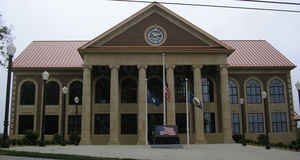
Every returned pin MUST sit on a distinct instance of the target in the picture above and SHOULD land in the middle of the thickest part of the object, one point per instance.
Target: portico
(173, 61)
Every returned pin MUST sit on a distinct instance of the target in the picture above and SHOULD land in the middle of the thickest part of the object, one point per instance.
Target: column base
(228, 140)
(85, 141)
(201, 141)
(113, 141)
(141, 141)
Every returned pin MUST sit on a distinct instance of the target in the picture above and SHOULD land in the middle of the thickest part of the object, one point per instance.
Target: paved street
(192, 152)
(19, 158)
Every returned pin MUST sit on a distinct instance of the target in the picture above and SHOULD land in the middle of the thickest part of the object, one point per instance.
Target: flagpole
(146, 116)
(164, 87)
(187, 113)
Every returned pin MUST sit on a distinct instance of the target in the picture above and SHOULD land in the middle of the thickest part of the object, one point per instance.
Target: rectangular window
(51, 124)
(25, 123)
(235, 123)
(209, 122)
(74, 124)
(279, 123)
(102, 124)
(181, 122)
(128, 124)
(255, 122)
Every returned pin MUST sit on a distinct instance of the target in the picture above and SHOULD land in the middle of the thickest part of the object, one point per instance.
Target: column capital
(114, 67)
(170, 66)
(142, 66)
(196, 66)
(89, 67)
(223, 66)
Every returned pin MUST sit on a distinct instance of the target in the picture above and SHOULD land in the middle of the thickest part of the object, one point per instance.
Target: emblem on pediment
(155, 35)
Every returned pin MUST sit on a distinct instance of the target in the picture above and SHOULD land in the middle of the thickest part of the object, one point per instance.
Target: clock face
(155, 35)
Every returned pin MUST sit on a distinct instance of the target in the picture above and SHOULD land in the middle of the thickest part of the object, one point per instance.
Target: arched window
(155, 86)
(75, 91)
(276, 91)
(253, 92)
(233, 92)
(27, 93)
(102, 91)
(52, 93)
(207, 90)
(179, 89)
(129, 91)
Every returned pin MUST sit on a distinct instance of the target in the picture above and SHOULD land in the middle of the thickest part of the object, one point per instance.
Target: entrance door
(154, 119)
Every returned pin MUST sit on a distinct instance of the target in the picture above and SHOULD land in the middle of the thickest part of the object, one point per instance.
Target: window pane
(74, 124)
(179, 89)
(129, 91)
(253, 92)
(235, 123)
(52, 93)
(102, 91)
(255, 122)
(128, 124)
(181, 122)
(27, 93)
(51, 125)
(276, 91)
(102, 124)
(233, 92)
(209, 122)
(75, 91)
(279, 123)
(25, 123)
(207, 90)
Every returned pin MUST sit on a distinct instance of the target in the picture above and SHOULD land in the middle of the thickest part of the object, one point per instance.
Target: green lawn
(54, 156)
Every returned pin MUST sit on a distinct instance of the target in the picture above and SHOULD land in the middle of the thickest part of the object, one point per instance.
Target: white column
(199, 116)
(226, 109)
(86, 107)
(171, 112)
(141, 103)
(114, 106)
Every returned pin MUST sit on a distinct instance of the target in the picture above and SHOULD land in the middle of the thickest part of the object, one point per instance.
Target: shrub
(298, 133)
(47, 142)
(26, 141)
(13, 142)
(1, 139)
(249, 141)
(30, 137)
(237, 138)
(57, 139)
(280, 145)
(74, 138)
(262, 139)
(20, 142)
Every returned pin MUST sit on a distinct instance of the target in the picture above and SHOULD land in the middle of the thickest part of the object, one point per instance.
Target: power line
(274, 2)
(214, 6)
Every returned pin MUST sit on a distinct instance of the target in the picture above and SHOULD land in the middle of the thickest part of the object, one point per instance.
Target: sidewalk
(191, 152)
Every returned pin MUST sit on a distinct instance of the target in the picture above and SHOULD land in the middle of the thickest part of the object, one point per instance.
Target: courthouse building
(108, 75)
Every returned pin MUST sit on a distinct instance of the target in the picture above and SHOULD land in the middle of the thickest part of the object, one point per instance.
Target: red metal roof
(256, 53)
(64, 54)
(50, 54)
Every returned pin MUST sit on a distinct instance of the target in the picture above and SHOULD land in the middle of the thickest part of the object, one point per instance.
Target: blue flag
(152, 100)
(195, 100)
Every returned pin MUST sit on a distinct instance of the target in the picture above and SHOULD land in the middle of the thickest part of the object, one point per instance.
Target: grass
(55, 156)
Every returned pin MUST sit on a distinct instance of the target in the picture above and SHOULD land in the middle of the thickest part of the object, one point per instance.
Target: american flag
(167, 131)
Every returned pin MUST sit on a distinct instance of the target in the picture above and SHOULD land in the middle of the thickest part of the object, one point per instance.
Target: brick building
(108, 75)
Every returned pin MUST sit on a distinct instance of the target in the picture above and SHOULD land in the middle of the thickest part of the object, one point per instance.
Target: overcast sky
(86, 19)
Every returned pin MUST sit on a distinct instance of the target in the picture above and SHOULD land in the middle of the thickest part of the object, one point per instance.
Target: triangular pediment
(133, 31)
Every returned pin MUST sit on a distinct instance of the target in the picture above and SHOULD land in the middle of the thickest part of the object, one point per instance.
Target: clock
(155, 35)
